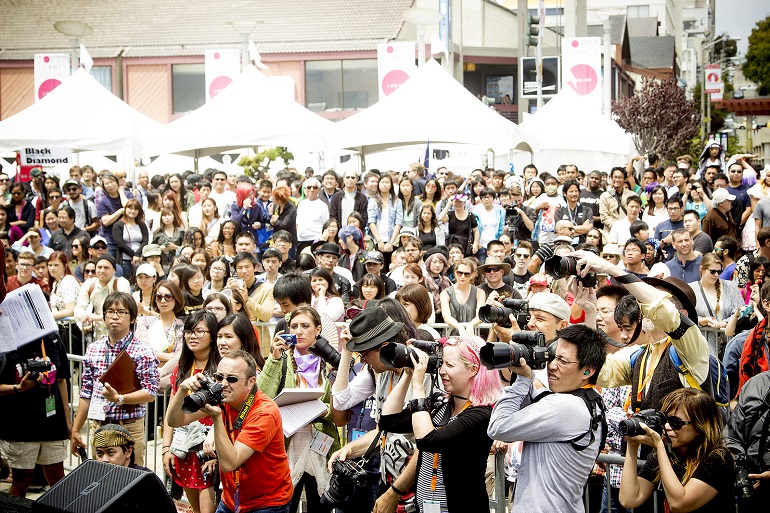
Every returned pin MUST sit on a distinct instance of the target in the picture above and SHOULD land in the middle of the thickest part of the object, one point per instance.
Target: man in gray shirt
(562, 429)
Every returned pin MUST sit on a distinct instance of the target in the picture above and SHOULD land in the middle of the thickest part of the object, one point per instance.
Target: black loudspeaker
(96, 487)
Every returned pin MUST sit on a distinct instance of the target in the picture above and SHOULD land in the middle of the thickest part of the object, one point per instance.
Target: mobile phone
(290, 339)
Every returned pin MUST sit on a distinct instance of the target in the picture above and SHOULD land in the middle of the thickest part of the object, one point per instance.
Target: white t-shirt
(311, 216)
(348, 206)
(223, 201)
(620, 231)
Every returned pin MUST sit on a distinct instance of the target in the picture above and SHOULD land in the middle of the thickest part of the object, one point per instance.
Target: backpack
(718, 386)
(596, 409)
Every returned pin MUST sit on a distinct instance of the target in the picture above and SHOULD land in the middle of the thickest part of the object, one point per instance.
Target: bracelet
(166, 447)
(165, 451)
(400, 492)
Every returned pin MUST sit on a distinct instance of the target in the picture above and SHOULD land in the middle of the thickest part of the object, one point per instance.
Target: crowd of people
(442, 317)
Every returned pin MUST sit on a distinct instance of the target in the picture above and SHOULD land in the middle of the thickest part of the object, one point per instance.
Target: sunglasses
(75, 246)
(221, 377)
(521, 255)
(715, 271)
(53, 196)
(163, 297)
(676, 423)
(493, 269)
(72, 189)
(462, 273)
(308, 187)
(89, 271)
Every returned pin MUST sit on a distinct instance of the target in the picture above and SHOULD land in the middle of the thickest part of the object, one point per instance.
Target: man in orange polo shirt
(248, 438)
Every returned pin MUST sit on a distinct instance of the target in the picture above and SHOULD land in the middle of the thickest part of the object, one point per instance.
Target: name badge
(356, 434)
(96, 409)
(431, 507)
(321, 443)
(50, 406)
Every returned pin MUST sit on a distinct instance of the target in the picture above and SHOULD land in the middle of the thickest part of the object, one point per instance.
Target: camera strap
(245, 409)
(372, 448)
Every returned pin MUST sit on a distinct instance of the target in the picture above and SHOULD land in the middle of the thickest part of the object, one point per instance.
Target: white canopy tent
(79, 114)
(567, 131)
(251, 111)
(430, 106)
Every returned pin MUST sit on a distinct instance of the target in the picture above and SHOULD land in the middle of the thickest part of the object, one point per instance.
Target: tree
(757, 65)
(660, 118)
(260, 162)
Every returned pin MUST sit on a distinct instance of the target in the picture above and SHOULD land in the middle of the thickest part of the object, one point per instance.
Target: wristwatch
(120, 400)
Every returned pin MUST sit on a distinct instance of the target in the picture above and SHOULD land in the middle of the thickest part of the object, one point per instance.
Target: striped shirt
(100, 355)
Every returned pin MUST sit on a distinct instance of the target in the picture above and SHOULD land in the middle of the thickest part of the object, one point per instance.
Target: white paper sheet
(24, 317)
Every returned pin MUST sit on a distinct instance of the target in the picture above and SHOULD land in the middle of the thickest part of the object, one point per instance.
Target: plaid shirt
(614, 400)
(98, 358)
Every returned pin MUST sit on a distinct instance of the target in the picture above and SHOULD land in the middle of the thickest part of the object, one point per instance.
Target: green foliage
(260, 162)
(757, 65)
(726, 48)
(660, 117)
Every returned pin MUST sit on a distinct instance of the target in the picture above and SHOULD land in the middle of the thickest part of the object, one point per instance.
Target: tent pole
(195, 162)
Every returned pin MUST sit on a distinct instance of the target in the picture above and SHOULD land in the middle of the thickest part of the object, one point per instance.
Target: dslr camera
(345, 475)
(655, 420)
(744, 465)
(210, 393)
(517, 307)
(35, 367)
(397, 356)
(565, 266)
(324, 350)
(529, 345)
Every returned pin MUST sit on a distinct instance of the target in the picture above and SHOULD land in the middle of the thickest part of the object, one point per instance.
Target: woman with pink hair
(451, 430)
(246, 211)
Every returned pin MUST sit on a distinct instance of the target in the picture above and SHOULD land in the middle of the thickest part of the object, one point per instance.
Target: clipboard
(121, 375)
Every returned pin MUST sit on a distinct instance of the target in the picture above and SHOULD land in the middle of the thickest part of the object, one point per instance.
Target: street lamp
(75, 30)
(421, 18)
(705, 107)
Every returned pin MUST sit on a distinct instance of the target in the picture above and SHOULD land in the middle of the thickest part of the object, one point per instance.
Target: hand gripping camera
(35, 367)
(210, 393)
(518, 307)
(566, 266)
(529, 345)
(345, 475)
(397, 356)
(744, 465)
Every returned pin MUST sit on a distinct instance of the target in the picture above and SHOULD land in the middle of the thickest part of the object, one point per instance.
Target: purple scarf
(308, 367)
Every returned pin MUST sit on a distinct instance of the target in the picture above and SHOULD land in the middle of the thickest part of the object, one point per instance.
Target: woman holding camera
(451, 434)
(292, 365)
(199, 354)
(690, 459)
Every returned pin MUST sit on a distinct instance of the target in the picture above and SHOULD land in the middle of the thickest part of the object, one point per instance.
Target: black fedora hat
(680, 290)
(329, 248)
(371, 328)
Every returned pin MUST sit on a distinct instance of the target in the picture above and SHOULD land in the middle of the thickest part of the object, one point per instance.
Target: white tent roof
(430, 106)
(79, 114)
(251, 111)
(567, 131)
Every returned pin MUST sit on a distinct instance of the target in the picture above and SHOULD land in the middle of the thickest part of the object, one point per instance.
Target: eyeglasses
(113, 313)
(493, 269)
(89, 271)
(24, 266)
(715, 271)
(309, 187)
(198, 332)
(521, 255)
(561, 361)
(216, 309)
(676, 423)
(462, 273)
(221, 377)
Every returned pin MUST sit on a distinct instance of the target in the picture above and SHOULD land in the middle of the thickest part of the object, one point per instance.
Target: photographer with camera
(519, 218)
(563, 429)
(451, 432)
(748, 438)
(370, 332)
(689, 459)
(248, 435)
(34, 394)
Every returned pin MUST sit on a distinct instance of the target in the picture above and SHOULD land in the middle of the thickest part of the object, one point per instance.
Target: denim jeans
(616, 507)
(272, 509)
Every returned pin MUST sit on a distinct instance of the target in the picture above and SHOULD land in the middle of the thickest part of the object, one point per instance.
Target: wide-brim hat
(372, 328)
(328, 248)
(495, 262)
(679, 289)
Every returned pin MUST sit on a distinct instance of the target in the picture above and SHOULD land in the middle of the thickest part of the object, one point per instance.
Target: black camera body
(654, 420)
(397, 356)
(517, 307)
(345, 475)
(566, 266)
(324, 350)
(209, 394)
(35, 367)
(529, 345)
(744, 465)
(203, 457)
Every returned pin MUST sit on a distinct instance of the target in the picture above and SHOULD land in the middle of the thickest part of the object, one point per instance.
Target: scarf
(308, 367)
(754, 357)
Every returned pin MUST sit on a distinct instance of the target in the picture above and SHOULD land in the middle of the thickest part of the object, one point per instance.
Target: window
(337, 84)
(103, 75)
(638, 11)
(188, 87)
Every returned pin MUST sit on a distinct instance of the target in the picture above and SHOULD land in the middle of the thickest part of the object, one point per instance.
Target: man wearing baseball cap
(374, 261)
(151, 254)
(86, 217)
(548, 313)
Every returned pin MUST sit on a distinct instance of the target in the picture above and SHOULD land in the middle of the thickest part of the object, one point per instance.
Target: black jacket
(744, 431)
(360, 205)
(123, 247)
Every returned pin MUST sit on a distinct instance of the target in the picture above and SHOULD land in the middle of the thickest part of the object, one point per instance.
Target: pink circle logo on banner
(46, 59)
(216, 55)
(218, 84)
(390, 49)
(575, 44)
(585, 79)
(393, 80)
(47, 86)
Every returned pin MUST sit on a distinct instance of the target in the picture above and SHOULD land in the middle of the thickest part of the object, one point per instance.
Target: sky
(738, 17)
